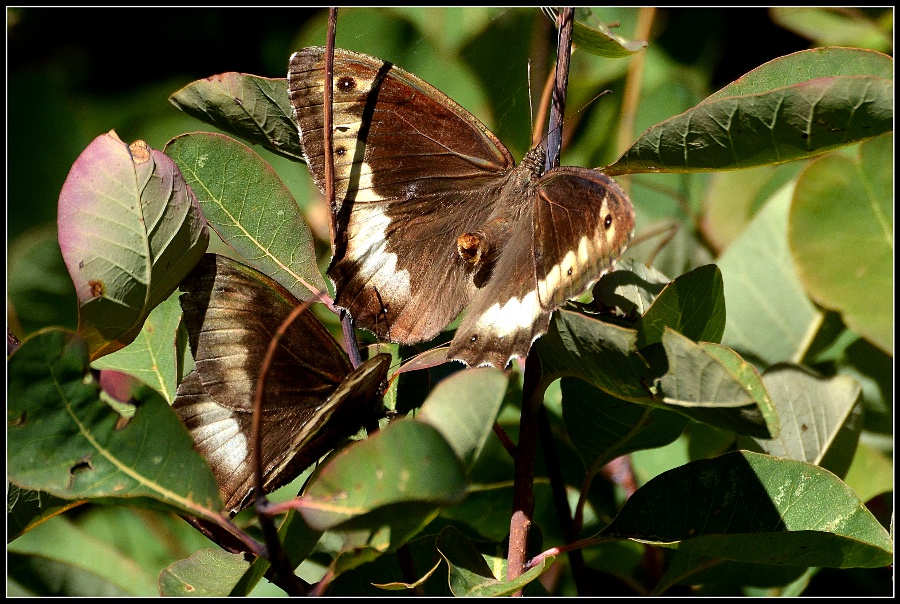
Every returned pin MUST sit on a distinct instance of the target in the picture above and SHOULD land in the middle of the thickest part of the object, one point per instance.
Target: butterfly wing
(232, 313)
(576, 223)
(413, 170)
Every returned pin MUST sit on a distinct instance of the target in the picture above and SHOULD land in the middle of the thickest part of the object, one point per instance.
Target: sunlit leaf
(129, 229)
(763, 327)
(589, 34)
(250, 208)
(53, 398)
(151, 358)
(774, 114)
(841, 234)
(206, 573)
(253, 108)
(409, 462)
(821, 417)
(754, 508)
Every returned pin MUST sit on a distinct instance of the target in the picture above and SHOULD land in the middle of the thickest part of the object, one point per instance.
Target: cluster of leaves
(744, 430)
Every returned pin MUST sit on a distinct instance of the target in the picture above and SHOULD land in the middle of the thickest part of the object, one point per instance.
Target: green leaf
(250, 208)
(822, 417)
(151, 358)
(770, 318)
(693, 305)
(54, 398)
(470, 575)
(409, 462)
(463, 408)
(834, 26)
(255, 109)
(600, 353)
(732, 199)
(39, 290)
(805, 65)
(129, 229)
(207, 573)
(777, 125)
(602, 427)
(751, 507)
(25, 509)
(713, 384)
(57, 558)
(589, 34)
(871, 473)
(841, 234)
(630, 289)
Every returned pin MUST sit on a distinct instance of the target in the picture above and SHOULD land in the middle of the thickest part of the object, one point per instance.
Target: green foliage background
(63, 92)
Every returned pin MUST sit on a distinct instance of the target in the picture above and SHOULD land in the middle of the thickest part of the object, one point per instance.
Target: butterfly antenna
(530, 102)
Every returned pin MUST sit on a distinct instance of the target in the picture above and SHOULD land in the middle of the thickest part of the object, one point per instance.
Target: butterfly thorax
(481, 247)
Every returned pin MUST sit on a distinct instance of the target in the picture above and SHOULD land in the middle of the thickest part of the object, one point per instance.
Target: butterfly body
(434, 217)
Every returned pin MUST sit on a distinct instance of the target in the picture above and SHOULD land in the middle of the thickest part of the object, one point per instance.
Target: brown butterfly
(433, 215)
(313, 398)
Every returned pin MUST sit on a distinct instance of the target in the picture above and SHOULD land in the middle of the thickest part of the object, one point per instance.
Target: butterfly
(434, 217)
(313, 397)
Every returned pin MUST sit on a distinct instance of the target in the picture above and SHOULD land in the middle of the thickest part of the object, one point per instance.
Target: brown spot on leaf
(140, 151)
(97, 288)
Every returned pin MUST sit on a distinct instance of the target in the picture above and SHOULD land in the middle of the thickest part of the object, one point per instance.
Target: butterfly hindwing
(575, 224)
(433, 216)
(313, 398)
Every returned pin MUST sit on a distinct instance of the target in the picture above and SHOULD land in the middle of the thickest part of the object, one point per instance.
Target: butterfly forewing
(413, 171)
(433, 217)
(232, 313)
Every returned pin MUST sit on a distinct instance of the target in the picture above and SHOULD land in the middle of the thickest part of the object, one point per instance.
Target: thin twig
(558, 107)
(350, 344)
(281, 566)
(523, 482)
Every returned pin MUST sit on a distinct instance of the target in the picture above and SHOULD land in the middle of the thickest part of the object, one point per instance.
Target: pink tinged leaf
(130, 229)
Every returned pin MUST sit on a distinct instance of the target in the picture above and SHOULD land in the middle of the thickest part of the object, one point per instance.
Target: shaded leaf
(763, 327)
(833, 26)
(407, 462)
(630, 289)
(871, 473)
(255, 109)
(151, 358)
(693, 305)
(822, 417)
(589, 34)
(463, 408)
(25, 509)
(711, 383)
(39, 290)
(602, 427)
(773, 126)
(57, 558)
(841, 234)
(600, 353)
(206, 573)
(53, 397)
(130, 229)
(250, 208)
(750, 507)
(470, 575)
